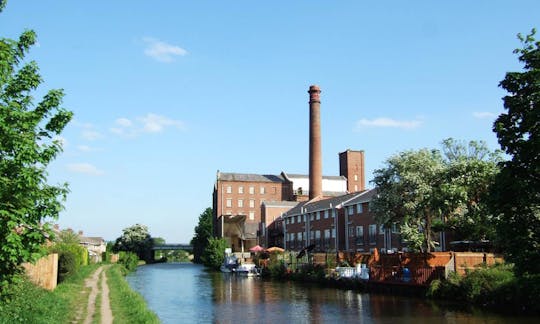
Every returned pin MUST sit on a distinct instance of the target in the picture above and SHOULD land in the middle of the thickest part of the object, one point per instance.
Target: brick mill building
(293, 211)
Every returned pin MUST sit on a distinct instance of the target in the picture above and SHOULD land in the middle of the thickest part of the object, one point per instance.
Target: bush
(70, 258)
(129, 260)
(67, 265)
(492, 287)
(214, 254)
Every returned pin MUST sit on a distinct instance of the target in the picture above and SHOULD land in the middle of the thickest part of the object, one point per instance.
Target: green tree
(68, 236)
(28, 143)
(203, 231)
(516, 196)
(469, 173)
(407, 194)
(135, 239)
(214, 253)
(426, 191)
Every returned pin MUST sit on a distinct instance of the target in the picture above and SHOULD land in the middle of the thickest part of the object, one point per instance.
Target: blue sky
(165, 93)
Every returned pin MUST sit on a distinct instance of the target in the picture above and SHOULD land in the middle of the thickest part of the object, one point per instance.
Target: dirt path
(95, 290)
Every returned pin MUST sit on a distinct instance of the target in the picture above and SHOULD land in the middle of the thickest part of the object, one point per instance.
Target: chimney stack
(315, 159)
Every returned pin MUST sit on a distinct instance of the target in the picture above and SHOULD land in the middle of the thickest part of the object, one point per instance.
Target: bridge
(173, 246)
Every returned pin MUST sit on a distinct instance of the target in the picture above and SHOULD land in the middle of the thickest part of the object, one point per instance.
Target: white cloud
(484, 115)
(85, 168)
(86, 148)
(151, 123)
(161, 51)
(388, 122)
(124, 122)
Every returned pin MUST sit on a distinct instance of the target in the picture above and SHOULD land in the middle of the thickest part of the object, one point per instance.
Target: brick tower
(351, 166)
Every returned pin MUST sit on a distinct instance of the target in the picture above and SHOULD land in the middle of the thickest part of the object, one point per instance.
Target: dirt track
(95, 289)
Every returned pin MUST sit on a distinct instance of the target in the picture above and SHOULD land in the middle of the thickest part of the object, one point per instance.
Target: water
(186, 293)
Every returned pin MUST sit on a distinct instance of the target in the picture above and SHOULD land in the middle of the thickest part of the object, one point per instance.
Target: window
(381, 229)
(333, 232)
(318, 215)
(311, 216)
(252, 203)
(299, 236)
(229, 189)
(240, 203)
(350, 210)
(333, 213)
(251, 215)
(292, 220)
(299, 218)
(262, 190)
(228, 202)
(241, 189)
(372, 234)
(251, 190)
(359, 208)
(356, 177)
(326, 214)
(395, 228)
(326, 233)
(317, 234)
(304, 218)
(311, 235)
(359, 231)
(351, 231)
(355, 187)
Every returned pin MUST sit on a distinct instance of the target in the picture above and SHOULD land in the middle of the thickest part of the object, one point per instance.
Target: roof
(323, 204)
(366, 196)
(246, 177)
(91, 240)
(306, 176)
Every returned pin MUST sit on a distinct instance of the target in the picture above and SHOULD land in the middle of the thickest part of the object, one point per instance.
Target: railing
(418, 276)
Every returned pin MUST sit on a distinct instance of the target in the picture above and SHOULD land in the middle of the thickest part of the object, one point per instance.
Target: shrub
(214, 253)
(129, 260)
(67, 265)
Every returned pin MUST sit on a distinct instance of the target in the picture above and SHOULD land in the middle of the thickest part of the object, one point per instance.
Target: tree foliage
(214, 253)
(135, 239)
(516, 196)
(203, 231)
(28, 143)
(425, 191)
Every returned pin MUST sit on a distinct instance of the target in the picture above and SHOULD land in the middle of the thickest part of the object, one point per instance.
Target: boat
(247, 270)
(230, 263)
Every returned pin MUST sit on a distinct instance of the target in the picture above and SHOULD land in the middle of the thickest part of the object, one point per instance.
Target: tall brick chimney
(315, 155)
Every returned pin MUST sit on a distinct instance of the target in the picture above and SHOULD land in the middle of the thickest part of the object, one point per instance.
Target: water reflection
(186, 293)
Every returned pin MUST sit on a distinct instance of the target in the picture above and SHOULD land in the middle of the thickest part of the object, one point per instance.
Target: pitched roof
(246, 177)
(365, 196)
(323, 204)
(306, 176)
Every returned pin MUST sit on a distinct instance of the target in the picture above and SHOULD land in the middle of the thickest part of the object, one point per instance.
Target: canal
(187, 293)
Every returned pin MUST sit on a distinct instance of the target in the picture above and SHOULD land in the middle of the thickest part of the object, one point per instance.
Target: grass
(127, 305)
(26, 303)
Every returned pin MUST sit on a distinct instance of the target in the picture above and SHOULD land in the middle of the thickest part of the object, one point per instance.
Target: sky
(166, 93)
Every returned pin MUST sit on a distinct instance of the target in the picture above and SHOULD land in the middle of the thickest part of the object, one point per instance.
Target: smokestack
(315, 159)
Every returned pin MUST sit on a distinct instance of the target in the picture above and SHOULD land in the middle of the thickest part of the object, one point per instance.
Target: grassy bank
(24, 302)
(127, 305)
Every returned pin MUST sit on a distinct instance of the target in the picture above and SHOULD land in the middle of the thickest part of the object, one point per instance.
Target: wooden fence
(44, 272)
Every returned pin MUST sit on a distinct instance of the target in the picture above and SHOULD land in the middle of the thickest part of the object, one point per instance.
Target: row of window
(301, 236)
(251, 190)
(239, 203)
(312, 216)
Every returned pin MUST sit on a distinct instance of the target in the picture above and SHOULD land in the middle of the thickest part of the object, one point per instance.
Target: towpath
(97, 283)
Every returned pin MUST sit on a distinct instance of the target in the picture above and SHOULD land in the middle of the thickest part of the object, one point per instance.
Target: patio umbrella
(256, 248)
(275, 249)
